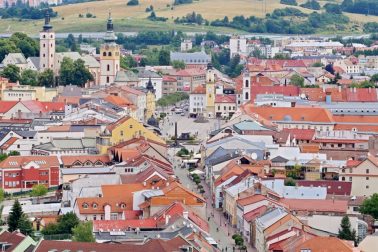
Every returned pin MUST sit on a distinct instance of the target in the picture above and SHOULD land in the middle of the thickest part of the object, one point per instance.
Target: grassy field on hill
(133, 18)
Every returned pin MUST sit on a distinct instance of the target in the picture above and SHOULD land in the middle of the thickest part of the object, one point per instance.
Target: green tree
(133, 3)
(177, 64)
(164, 57)
(81, 74)
(7, 46)
(83, 232)
(374, 78)
(14, 216)
(317, 64)
(29, 77)
(345, 230)
(370, 206)
(66, 222)
(46, 78)
(74, 72)
(14, 153)
(11, 72)
(28, 46)
(71, 42)
(2, 195)
(297, 80)
(128, 62)
(24, 225)
(290, 182)
(38, 190)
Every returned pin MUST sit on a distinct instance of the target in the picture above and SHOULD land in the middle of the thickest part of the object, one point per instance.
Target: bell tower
(109, 56)
(47, 45)
(210, 91)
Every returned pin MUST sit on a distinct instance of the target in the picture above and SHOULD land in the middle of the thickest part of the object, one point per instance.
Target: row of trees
(192, 18)
(24, 11)
(18, 43)
(71, 72)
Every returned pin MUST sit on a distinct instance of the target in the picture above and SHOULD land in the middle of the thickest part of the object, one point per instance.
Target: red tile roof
(110, 225)
(255, 213)
(301, 134)
(251, 199)
(362, 95)
(14, 239)
(333, 187)
(225, 99)
(168, 78)
(157, 245)
(325, 244)
(70, 160)
(200, 89)
(5, 106)
(294, 114)
(8, 143)
(19, 161)
(284, 90)
(315, 205)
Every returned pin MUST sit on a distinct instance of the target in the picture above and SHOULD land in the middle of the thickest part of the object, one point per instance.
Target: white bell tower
(246, 87)
(46, 45)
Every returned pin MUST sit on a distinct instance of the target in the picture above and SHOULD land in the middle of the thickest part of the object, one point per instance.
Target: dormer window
(85, 205)
(94, 205)
(123, 205)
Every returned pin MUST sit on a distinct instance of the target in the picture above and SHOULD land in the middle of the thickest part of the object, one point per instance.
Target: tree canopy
(74, 72)
(297, 80)
(345, 230)
(11, 72)
(64, 225)
(14, 216)
(83, 232)
(38, 190)
(370, 206)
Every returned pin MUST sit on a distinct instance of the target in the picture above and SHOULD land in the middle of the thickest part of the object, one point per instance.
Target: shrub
(133, 3)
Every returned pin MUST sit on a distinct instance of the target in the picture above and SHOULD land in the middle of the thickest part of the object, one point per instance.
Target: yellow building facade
(210, 91)
(26, 93)
(150, 105)
(122, 130)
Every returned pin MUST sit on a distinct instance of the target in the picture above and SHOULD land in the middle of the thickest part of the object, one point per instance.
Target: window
(114, 216)
(343, 170)
(94, 217)
(109, 53)
(107, 79)
(94, 205)
(339, 145)
(342, 178)
(44, 45)
(121, 133)
(123, 205)
(246, 96)
(85, 205)
(367, 187)
(246, 83)
(104, 54)
(367, 171)
(107, 67)
(350, 179)
(131, 126)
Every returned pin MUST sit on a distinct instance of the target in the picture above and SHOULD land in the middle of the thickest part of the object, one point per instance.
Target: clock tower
(46, 45)
(109, 56)
(210, 91)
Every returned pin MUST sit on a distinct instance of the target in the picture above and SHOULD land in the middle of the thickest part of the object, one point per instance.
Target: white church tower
(246, 96)
(109, 56)
(46, 45)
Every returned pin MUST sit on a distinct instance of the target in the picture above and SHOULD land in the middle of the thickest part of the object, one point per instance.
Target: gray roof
(35, 61)
(191, 58)
(71, 90)
(96, 170)
(58, 144)
(126, 76)
(143, 73)
(26, 133)
(18, 58)
(90, 61)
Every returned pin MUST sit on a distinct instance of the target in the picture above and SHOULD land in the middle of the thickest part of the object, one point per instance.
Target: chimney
(185, 214)
(354, 90)
(167, 217)
(339, 89)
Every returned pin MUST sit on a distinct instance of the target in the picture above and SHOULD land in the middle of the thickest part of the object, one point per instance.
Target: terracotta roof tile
(8, 143)
(333, 187)
(70, 160)
(251, 199)
(225, 99)
(325, 244)
(5, 106)
(336, 206)
(19, 161)
(200, 89)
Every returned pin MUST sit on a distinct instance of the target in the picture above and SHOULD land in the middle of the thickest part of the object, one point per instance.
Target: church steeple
(150, 86)
(110, 37)
(47, 26)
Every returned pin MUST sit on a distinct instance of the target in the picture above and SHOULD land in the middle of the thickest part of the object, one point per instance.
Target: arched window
(246, 96)
(108, 67)
(123, 205)
(104, 54)
(107, 79)
(44, 45)
(246, 83)
(94, 205)
(109, 53)
(85, 205)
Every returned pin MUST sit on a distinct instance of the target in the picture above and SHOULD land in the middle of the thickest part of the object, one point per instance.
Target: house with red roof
(169, 84)
(225, 105)
(16, 241)
(23, 172)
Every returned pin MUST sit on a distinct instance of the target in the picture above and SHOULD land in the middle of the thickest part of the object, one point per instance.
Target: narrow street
(220, 230)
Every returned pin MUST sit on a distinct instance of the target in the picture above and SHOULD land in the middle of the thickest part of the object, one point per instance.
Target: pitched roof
(251, 199)
(5, 106)
(14, 239)
(200, 89)
(157, 245)
(287, 90)
(333, 187)
(325, 244)
(361, 95)
(70, 160)
(123, 224)
(301, 134)
(292, 114)
(318, 205)
(225, 99)
(19, 161)
(118, 100)
(8, 143)
(255, 213)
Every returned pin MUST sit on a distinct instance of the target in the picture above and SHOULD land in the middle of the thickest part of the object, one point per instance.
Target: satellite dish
(254, 156)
